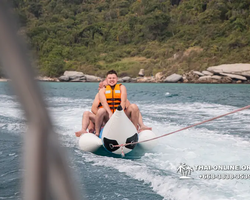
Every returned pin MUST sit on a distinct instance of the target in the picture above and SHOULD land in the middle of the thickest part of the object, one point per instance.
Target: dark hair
(111, 72)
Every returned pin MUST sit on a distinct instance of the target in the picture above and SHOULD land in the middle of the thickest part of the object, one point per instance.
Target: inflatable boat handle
(119, 108)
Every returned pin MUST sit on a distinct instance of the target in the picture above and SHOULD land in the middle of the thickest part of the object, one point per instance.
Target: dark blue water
(164, 107)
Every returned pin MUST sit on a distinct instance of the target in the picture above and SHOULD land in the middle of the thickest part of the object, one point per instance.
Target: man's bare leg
(142, 125)
(99, 119)
(91, 127)
(87, 116)
(133, 114)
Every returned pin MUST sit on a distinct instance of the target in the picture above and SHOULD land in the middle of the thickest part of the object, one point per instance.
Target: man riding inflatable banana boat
(115, 121)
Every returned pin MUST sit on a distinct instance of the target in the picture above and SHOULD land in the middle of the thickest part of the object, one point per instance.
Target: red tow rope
(246, 107)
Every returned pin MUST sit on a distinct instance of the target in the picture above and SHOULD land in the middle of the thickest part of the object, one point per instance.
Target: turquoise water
(164, 107)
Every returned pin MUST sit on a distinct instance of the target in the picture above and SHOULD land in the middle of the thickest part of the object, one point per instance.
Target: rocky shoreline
(3, 79)
(227, 73)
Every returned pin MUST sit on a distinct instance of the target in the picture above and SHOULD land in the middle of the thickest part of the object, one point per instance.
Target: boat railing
(46, 173)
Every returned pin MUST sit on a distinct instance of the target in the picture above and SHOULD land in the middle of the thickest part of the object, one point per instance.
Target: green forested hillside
(157, 35)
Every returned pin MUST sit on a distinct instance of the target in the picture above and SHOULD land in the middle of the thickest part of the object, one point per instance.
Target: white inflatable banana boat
(118, 130)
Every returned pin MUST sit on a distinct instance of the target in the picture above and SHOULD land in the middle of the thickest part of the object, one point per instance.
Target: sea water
(165, 108)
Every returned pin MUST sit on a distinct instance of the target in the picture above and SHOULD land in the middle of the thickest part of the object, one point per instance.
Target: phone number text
(224, 176)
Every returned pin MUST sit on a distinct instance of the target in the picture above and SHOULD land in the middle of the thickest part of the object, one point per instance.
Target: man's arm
(95, 104)
(123, 96)
(103, 101)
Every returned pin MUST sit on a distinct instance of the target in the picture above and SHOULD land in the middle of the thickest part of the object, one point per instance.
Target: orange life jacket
(113, 97)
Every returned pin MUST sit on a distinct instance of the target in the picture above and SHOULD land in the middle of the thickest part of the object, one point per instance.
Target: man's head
(112, 77)
(105, 83)
(102, 84)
